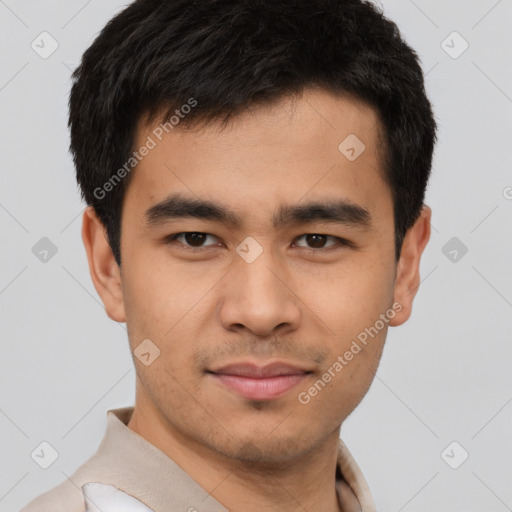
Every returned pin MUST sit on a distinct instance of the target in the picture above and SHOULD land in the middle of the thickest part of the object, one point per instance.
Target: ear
(408, 269)
(105, 272)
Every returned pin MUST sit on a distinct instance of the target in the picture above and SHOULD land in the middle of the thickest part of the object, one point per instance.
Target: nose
(260, 297)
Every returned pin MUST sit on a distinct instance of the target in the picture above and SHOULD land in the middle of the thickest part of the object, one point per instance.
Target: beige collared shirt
(128, 471)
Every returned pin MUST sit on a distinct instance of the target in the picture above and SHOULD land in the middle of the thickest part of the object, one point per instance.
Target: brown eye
(318, 241)
(195, 239)
(191, 239)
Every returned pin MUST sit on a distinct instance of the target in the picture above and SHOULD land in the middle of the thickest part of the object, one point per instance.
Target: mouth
(260, 383)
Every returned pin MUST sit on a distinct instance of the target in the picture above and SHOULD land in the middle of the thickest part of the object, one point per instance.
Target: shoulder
(65, 497)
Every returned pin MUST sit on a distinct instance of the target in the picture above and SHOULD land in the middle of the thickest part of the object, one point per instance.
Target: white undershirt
(107, 498)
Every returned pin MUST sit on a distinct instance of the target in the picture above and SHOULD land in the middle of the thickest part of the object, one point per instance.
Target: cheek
(348, 300)
(166, 309)
(344, 389)
(156, 296)
(354, 311)
(146, 304)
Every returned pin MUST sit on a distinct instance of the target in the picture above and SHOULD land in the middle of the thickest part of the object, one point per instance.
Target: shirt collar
(133, 465)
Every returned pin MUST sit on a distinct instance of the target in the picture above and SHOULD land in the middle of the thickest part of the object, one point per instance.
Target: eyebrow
(338, 211)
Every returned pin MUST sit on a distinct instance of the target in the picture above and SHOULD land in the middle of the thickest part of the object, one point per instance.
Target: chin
(265, 451)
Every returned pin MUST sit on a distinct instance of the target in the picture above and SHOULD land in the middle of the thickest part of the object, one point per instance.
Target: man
(255, 174)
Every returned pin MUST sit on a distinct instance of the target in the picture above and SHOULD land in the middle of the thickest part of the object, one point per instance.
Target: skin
(208, 308)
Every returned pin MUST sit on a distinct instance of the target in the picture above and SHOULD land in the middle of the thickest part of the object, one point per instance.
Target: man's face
(210, 300)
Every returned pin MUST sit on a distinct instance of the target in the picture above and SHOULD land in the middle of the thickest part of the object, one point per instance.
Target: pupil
(316, 241)
(195, 239)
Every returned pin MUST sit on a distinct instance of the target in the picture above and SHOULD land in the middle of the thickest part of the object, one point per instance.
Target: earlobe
(105, 272)
(408, 268)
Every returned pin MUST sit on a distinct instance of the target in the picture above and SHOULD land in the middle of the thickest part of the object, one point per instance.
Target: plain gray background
(445, 375)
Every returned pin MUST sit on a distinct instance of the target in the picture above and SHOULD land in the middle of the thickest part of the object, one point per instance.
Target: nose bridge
(257, 270)
(259, 276)
(259, 297)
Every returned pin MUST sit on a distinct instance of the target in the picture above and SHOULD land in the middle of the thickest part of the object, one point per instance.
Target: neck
(308, 482)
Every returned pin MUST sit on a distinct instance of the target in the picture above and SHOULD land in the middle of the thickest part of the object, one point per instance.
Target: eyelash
(341, 242)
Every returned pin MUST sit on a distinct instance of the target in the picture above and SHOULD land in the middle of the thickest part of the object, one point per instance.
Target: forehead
(303, 147)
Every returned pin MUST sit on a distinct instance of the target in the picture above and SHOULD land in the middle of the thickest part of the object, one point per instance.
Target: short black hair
(156, 56)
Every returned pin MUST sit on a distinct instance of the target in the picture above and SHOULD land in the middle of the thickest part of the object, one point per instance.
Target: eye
(191, 239)
(318, 241)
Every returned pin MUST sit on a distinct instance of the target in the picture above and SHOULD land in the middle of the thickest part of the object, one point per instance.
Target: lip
(249, 369)
(260, 382)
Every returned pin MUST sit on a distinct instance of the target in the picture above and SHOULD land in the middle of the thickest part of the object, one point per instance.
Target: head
(293, 142)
